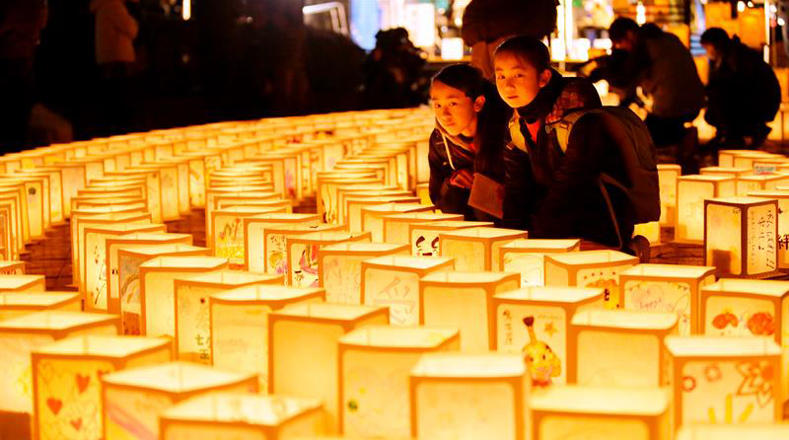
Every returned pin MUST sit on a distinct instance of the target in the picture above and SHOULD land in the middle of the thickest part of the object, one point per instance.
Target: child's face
(455, 111)
(518, 83)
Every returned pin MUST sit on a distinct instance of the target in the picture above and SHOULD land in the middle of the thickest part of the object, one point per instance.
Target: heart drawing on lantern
(82, 382)
(54, 405)
(77, 423)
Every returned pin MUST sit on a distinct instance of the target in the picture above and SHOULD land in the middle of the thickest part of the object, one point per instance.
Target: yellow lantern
(238, 335)
(327, 187)
(375, 363)
(254, 235)
(153, 184)
(475, 249)
(691, 193)
(192, 321)
(361, 192)
(319, 327)
(395, 226)
(527, 257)
(746, 158)
(22, 283)
(782, 196)
(275, 243)
(766, 431)
(357, 203)
(729, 171)
(340, 268)
(563, 412)
(13, 304)
(469, 396)
(133, 399)
(423, 192)
(746, 184)
(464, 300)
(66, 380)
(157, 289)
(303, 251)
(9, 267)
(725, 380)
(168, 181)
(740, 236)
(589, 269)
(651, 231)
(619, 348)
(373, 216)
(241, 416)
(228, 234)
(424, 237)
(393, 281)
(21, 335)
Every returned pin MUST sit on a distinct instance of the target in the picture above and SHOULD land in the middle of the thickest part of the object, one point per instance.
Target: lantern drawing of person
(542, 361)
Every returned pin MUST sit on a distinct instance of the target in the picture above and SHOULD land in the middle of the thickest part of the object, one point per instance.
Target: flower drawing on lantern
(307, 272)
(228, 241)
(277, 259)
(757, 380)
(761, 324)
(543, 363)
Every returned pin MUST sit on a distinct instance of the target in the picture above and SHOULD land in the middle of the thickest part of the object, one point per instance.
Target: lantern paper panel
(761, 182)
(12, 267)
(318, 326)
(782, 196)
(276, 248)
(254, 235)
(192, 323)
(727, 171)
(375, 363)
(691, 193)
(667, 288)
(463, 300)
(667, 179)
(396, 225)
(22, 283)
(619, 348)
(340, 268)
(424, 237)
(373, 216)
(711, 431)
(393, 281)
(303, 254)
(66, 376)
(356, 203)
(474, 249)
(725, 380)
(527, 257)
(239, 325)
(228, 234)
(469, 396)
(534, 322)
(13, 304)
(589, 269)
(740, 236)
(134, 399)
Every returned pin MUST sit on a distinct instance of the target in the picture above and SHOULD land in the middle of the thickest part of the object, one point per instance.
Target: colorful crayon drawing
(543, 364)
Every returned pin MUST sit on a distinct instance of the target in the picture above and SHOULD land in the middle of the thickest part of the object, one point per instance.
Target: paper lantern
(168, 181)
(157, 289)
(589, 269)
(393, 281)
(725, 380)
(463, 300)
(745, 159)
(527, 257)
(534, 321)
(729, 171)
(746, 184)
(776, 431)
(740, 236)
(228, 234)
(375, 363)
(319, 327)
(241, 416)
(303, 253)
(13, 304)
(254, 235)
(395, 226)
(153, 183)
(55, 191)
(475, 249)
(133, 399)
(424, 237)
(326, 192)
(192, 320)
(691, 193)
(651, 231)
(361, 194)
(619, 348)
(275, 243)
(373, 216)
(782, 196)
(66, 375)
(21, 335)
(564, 412)
(22, 283)
(239, 325)
(340, 268)
(469, 396)
(356, 203)
(12, 267)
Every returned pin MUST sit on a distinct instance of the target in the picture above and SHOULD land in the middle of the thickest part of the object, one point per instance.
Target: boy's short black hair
(530, 49)
(620, 27)
(716, 37)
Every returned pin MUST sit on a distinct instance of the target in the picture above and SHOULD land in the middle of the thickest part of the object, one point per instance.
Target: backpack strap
(564, 127)
(449, 155)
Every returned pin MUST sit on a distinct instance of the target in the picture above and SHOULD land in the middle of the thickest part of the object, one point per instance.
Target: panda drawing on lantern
(542, 362)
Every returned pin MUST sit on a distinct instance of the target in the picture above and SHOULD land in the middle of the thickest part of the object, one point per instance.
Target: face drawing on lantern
(425, 248)
(542, 361)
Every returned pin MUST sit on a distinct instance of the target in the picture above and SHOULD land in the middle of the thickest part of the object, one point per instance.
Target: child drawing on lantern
(308, 267)
(542, 361)
(423, 249)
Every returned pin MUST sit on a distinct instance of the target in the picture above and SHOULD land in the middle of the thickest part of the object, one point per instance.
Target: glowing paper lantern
(395, 226)
(303, 253)
(226, 415)
(318, 326)
(424, 237)
(619, 348)
(133, 399)
(782, 196)
(534, 322)
(691, 193)
(726, 171)
(589, 269)
(475, 249)
(13, 304)
(650, 231)
(327, 187)
(192, 320)
(22, 283)
(746, 184)
(359, 194)
(356, 204)
(67, 374)
(373, 216)
(527, 257)
(340, 268)
(725, 380)
(469, 396)
(228, 235)
(745, 158)
(21, 335)
(254, 235)
(239, 325)
(375, 363)
(463, 300)
(157, 289)
(740, 236)
(777, 431)
(393, 281)
(275, 243)
(12, 267)
(561, 412)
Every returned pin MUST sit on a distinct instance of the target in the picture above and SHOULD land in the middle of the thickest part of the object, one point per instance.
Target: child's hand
(462, 179)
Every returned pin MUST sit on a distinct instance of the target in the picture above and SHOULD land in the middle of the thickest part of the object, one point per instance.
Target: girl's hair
(491, 120)
(529, 49)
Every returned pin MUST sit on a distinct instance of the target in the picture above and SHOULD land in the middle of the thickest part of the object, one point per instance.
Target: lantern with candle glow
(691, 193)
(318, 328)
(741, 236)
(275, 243)
(561, 412)
(746, 158)
(527, 257)
(326, 191)
(709, 431)
(726, 171)
(589, 269)
(725, 380)
(469, 396)
(13, 304)
(475, 249)
(782, 196)
(375, 363)
(66, 375)
(239, 325)
(760, 182)
(9, 267)
(424, 237)
(228, 235)
(463, 300)
(192, 321)
(303, 251)
(340, 268)
(393, 281)
(22, 283)
(373, 216)
(396, 225)
(355, 204)
(133, 399)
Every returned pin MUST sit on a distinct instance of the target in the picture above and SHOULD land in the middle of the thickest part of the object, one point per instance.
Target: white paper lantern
(340, 268)
(691, 193)
(303, 251)
(475, 249)
(424, 237)
(254, 235)
(527, 257)
(589, 269)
